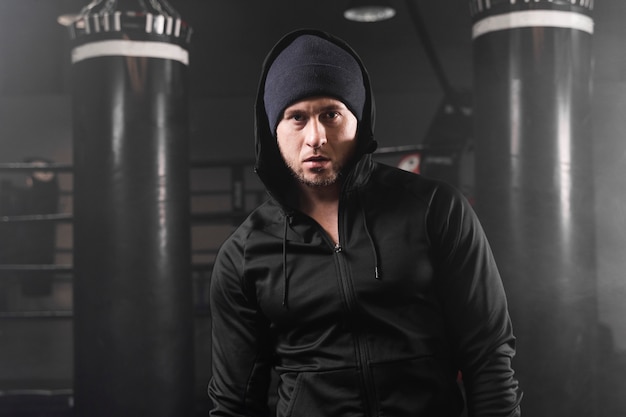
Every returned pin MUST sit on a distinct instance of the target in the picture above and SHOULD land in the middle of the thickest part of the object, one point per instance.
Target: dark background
(230, 39)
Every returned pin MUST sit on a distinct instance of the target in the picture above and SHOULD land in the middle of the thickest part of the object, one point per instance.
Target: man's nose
(315, 134)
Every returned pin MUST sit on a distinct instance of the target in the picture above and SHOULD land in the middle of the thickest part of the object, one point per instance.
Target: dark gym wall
(35, 118)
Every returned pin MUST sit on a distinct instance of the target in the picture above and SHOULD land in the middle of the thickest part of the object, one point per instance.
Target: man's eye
(332, 115)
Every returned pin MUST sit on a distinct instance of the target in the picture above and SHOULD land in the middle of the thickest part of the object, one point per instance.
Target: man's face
(317, 137)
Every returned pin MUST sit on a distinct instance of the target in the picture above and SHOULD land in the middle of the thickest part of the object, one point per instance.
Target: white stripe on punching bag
(533, 18)
(130, 48)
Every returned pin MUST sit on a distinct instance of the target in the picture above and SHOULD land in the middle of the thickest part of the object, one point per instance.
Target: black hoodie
(381, 324)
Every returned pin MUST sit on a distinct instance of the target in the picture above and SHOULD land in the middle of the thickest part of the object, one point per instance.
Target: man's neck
(322, 204)
(321, 195)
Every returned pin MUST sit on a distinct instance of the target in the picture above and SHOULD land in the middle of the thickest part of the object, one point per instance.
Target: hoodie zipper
(361, 350)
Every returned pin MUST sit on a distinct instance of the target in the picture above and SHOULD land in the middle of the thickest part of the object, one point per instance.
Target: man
(365, 287)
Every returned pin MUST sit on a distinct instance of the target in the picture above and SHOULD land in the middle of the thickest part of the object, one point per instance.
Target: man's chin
(318, 181)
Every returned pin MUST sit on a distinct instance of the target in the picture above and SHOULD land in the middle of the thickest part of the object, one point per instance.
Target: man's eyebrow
(292, 111)
(331, 107)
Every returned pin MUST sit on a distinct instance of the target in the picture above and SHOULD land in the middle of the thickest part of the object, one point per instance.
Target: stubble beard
(324, 178)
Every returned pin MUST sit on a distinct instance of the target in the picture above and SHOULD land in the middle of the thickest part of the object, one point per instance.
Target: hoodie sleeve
(475, 306)
(240, 358)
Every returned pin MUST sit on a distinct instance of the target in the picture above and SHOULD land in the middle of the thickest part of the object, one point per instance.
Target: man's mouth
(316, 159)
(316, 162)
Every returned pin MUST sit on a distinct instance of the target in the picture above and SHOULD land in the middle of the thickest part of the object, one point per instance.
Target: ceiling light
(369, 12)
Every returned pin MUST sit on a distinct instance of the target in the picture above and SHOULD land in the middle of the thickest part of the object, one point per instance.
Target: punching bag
(133, 311)
(534, 189)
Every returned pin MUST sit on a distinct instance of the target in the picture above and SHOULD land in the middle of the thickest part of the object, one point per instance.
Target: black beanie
(312, 66)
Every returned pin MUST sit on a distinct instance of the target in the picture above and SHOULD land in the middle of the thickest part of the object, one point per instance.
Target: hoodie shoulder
(397, 180)
(266, 218)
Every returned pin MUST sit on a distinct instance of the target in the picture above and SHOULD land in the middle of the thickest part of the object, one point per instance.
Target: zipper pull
(338, 248)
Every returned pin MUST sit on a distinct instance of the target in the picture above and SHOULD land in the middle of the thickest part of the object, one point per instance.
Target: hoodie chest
(302, 280)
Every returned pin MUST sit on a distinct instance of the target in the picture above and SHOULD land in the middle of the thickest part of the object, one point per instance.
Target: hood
(269, 164)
